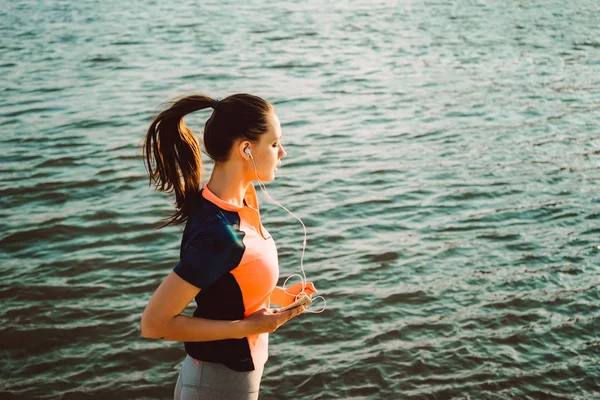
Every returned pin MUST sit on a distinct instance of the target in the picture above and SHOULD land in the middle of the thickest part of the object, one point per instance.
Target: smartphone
(304, 301)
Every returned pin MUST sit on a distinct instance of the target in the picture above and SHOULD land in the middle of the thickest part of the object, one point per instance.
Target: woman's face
(268, 152)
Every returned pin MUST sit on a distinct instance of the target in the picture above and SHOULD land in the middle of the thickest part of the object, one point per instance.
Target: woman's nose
(282, 152)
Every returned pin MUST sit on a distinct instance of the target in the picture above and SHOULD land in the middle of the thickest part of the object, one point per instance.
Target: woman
(228, 261)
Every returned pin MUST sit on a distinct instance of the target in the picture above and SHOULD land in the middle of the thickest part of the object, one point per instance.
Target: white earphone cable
(303, 276)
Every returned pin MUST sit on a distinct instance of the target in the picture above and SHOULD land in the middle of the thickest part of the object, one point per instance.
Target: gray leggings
(206, 380)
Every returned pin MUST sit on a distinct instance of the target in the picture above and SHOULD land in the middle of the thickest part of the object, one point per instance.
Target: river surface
(444, 155)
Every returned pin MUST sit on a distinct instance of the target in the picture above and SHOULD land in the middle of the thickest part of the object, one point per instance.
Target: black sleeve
(209, 255)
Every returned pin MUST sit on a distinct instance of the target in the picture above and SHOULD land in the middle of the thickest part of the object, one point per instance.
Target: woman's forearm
(183, 328)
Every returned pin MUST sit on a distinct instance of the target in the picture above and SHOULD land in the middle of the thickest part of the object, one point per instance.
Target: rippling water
(444, 156)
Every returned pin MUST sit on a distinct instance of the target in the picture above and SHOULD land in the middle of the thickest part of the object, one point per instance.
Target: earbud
(247, 151)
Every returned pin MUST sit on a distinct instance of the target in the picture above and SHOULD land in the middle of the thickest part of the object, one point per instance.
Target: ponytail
(173, 157)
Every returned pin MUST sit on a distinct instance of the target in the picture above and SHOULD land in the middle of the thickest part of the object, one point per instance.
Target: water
(444, 156)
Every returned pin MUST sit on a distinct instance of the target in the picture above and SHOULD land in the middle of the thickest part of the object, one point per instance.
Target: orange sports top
(228, 254)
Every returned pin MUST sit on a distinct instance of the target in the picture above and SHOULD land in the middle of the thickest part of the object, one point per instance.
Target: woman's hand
(297, 288)
(267, 320)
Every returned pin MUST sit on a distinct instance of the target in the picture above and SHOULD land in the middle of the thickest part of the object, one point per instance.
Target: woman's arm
(283, 299)
(162, 320)
(280, 298)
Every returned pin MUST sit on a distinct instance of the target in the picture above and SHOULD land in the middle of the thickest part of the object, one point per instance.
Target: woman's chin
(268, 178)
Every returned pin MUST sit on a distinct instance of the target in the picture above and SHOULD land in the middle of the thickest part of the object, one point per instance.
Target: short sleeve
(206, 258)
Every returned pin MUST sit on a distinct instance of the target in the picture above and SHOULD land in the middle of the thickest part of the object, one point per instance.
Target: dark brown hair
(172, 151)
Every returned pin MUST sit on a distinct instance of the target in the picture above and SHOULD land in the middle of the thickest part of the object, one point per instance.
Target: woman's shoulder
(207, 219)
(208, 229)
(203, 214)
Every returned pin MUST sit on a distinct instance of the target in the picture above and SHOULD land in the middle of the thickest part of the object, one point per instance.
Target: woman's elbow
(149, 330)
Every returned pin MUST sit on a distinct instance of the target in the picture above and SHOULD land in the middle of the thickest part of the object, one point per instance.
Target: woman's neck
(228, 184)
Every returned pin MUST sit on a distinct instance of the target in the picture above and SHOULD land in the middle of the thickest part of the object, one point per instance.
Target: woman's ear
(244, 149)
